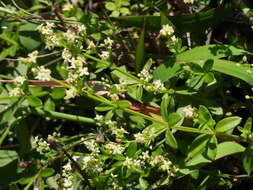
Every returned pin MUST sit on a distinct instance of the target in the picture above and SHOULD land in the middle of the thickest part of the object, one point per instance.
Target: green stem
(60, 82)
(59, 115)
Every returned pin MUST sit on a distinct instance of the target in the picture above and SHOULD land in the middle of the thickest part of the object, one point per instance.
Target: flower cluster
(167, 31)
(92, 146)
(189, 1)
(50, 37)
(90, 163)
(67, 176)
(31, 59)
(114, 148)
(156, 86)
(42, 73)
(188, 112)
(145, 75)
(131, 163)
(41, 145)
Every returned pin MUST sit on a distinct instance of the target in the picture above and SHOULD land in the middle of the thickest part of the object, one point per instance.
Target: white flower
(16, 92)
(51, 41)
(41, 145)
(145, 75)
(108, 42)
(71, 36)
(20, 80)
(91, 45)
(32, 56)
(81, 28)
(114, 148)
(72, 77)
(66, 54)
(188, 112)
(83, 71)
(131, 163)
(46, 29)
(42, 73)
(105, 55)
(92, 146)
(159, 85)
(71, 93)
(140, 138)
(99, 117)
(166, 30)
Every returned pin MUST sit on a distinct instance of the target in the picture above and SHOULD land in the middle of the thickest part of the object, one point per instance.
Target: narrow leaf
(164, 106)
(139, 54)
(248, 160)
(171, 140)
(211, 148)
(228, 124)
(198, 146)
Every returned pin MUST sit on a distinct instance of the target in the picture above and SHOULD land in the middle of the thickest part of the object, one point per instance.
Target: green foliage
(122, 94)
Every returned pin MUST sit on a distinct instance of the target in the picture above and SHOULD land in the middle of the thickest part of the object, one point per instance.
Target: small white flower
(188, 111)
(114, 148)
(66, 54)
(83, 71)
(33, 56)
(81, 28)
(99, 117)
(42, 73)
(140, 138)
(71, 93)
(91, 45)
(20, 80)
(16, 92)
(46, 29)
(105, 55)
(71, 36)
(145, 75)
(166, 30)
(108, 42)
(158, 85)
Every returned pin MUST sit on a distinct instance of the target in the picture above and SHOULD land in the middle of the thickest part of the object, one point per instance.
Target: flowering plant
(90, 99)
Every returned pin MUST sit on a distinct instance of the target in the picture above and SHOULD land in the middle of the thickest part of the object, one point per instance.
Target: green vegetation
(126, 94)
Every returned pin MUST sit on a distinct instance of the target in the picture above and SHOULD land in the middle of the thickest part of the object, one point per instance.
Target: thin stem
(60, 82)
(59, 115)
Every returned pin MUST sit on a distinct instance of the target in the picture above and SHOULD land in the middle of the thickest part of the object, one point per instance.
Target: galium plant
(91, 100)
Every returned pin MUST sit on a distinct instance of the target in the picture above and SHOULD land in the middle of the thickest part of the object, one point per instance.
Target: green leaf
(139, 54)
(10, 51)
(210, 52)
(184, 23)
(167, 70)
(7, 156)
(103, 107)
(57, 93)
(209, 77)
(198, 145)
(211, 148)
(223, 149)
(29, 37)
(143, 183)
(164, 106)
(49, 105)
(228, 124)
(248, 160)
(47, 172)
(171, 140)
(139, 93)
(174, 118)
(123, 104)
(148, 64)
(110, 6)
(131, 149)
(34, 101)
